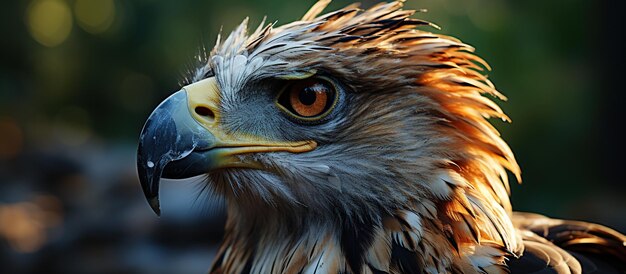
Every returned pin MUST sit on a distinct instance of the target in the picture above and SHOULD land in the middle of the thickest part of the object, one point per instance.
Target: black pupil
(307, 96)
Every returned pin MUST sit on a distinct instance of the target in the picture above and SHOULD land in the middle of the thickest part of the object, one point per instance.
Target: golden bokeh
(49, 21)
(94, 16)
(30, 222)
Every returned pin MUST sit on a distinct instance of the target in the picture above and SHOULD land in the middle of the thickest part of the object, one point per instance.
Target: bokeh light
(11, 138)
(75, 126)
(29, 221)
(49, 21)
(94, 16)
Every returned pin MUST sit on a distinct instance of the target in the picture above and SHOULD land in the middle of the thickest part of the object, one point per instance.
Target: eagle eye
(308, 99)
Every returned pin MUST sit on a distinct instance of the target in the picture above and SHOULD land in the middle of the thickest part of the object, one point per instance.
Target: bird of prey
(352, 142)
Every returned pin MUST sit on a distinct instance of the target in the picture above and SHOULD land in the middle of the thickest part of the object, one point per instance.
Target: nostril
(205, 112)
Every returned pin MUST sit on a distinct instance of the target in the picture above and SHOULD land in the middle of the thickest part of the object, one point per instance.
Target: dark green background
(70, 116)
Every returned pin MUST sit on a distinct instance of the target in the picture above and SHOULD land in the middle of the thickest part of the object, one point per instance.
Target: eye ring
(308, 100)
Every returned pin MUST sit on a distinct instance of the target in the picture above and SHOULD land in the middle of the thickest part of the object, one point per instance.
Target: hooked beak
(182, 138)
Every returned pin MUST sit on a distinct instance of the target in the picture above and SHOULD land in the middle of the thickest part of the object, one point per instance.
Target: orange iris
(309, 98)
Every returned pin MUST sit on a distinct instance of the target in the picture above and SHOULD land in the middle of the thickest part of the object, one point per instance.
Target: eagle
(355, 142)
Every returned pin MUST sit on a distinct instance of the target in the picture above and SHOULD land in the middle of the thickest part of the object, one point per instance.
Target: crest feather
(315, 10)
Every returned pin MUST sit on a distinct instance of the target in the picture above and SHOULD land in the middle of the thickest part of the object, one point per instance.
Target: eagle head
(349, 123)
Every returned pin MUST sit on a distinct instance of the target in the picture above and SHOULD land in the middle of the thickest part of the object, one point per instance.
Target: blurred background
(79, 77)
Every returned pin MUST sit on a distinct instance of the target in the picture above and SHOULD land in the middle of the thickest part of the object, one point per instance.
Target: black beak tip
(151, 193)
(155, 205)
(147, 175)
